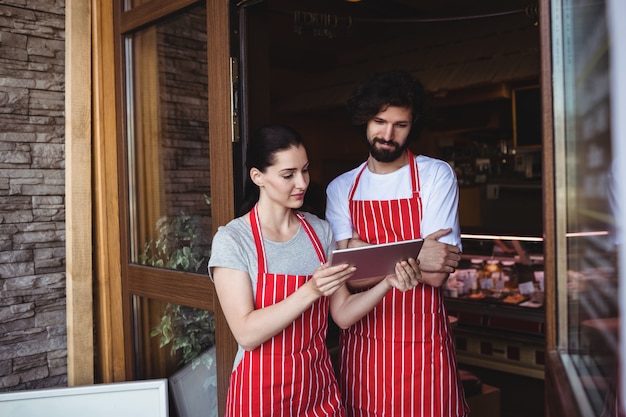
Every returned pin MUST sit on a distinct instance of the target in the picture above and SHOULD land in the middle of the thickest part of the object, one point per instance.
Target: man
(399, 360)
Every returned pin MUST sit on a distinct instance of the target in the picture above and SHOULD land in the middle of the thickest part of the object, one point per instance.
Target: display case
(495, 300)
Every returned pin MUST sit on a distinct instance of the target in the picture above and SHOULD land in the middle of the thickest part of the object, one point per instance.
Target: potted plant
(181, 244)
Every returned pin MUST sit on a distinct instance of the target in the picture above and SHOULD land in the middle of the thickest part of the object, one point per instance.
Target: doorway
(301, 59)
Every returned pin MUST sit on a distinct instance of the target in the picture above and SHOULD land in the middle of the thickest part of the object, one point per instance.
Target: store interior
(480, 65)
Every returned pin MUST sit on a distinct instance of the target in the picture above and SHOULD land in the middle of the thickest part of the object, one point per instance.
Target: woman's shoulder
(313, 219)
(321, 227)
(234, 229)
(317, 223)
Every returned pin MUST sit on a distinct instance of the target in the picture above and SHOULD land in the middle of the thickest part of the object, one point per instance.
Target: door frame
(98, 292)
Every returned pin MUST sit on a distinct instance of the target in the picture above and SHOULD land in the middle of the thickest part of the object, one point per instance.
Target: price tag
(539, 279)
(527, 287)
(486, 283)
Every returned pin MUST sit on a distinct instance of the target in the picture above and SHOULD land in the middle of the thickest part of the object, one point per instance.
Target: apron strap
(260, 247)
(415, 179)
(258, 239)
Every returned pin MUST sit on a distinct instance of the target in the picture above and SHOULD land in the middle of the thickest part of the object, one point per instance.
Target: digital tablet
(376, 260)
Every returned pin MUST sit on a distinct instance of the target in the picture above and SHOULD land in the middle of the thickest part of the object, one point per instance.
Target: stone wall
(33, 348)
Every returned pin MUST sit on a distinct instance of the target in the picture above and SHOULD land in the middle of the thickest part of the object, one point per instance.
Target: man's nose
(388, 132)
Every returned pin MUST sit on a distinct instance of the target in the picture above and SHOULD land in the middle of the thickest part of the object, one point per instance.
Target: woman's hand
(327, 279)
(407, 276)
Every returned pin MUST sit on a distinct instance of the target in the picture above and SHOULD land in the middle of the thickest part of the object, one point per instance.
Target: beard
(386, 155)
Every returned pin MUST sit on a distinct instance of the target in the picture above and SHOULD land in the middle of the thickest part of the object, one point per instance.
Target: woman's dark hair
(392, 88)
(261, 154)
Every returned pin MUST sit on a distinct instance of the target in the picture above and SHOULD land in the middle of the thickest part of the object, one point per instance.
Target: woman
(276, 288)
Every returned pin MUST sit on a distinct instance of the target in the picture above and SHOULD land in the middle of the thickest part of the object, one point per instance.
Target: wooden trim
(192, 290)
(126, 313)
(78, 193)
(111, 363)
(151, 11)
(549, 185)
(563, 402)
(222, 189)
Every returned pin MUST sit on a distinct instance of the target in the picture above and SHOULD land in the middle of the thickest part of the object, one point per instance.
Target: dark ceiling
(318, 49)
(312, 35)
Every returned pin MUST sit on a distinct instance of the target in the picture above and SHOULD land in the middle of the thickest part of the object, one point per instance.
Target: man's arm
(437, 259)
(354, 242)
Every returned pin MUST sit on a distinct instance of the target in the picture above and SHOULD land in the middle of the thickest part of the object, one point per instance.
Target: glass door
(177, 188)
(586, 351)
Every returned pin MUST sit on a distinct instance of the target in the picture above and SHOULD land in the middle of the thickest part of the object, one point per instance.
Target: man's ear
(256, 176)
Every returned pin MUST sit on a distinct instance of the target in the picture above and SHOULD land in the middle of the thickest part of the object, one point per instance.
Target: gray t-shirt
(233, 247)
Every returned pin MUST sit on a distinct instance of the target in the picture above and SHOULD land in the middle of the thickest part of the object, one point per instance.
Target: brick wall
(33, 346)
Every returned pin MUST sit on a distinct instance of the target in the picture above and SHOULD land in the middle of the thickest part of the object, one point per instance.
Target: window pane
(591, 246)
(178, 342)
(169, 193)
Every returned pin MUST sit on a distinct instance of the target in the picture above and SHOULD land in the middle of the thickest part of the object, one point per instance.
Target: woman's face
(285, 182)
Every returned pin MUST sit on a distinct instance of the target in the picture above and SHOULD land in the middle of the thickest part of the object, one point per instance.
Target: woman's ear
(256, 176)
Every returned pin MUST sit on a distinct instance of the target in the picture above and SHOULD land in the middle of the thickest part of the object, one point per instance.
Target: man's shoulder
(429, 163)
(424, 159)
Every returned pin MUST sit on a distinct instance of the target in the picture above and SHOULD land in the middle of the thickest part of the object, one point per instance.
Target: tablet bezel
(376, 260)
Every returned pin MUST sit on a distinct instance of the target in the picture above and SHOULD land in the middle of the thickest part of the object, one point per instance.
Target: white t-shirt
(438, 189)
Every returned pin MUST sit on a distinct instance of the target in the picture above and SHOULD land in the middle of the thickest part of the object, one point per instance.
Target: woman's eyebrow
(294, 169)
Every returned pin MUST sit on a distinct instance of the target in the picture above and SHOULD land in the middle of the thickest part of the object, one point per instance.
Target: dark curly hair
(392, 88)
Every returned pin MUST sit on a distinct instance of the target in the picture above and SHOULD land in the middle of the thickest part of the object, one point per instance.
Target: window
(587, 282)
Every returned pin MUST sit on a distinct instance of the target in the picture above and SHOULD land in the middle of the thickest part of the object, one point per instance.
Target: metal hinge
(234, 98)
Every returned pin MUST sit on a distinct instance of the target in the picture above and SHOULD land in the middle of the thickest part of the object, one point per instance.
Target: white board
(122, 399)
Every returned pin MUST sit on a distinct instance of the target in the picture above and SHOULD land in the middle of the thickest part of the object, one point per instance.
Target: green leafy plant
(181, 244)
(190, 331)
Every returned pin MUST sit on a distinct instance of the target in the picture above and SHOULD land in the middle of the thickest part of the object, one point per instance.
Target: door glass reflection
(168, 148)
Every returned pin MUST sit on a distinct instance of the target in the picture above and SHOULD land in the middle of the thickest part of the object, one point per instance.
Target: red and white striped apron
(291, 374)
(399, 360)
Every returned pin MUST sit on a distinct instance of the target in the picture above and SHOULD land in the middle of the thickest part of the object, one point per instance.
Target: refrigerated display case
(496, 299)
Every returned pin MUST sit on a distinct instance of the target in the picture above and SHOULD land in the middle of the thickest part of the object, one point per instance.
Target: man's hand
(356, 242)
(437, 256)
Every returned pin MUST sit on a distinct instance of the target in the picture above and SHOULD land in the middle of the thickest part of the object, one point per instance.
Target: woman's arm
(252, 327)
(346, 308)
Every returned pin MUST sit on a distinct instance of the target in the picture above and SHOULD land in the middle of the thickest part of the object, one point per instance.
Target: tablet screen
(376, 260)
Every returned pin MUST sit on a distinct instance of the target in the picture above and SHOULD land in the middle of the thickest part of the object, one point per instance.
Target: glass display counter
(496, 297)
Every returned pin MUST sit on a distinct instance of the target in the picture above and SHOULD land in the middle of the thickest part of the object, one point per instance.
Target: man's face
(387, 133)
